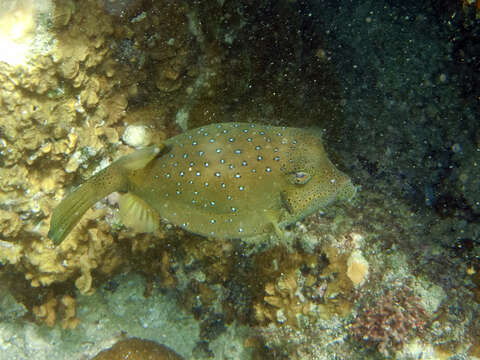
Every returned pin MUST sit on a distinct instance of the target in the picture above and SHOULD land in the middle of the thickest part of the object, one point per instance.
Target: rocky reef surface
(394, 86)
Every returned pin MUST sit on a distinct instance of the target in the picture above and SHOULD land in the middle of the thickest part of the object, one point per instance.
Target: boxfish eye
(299, 177)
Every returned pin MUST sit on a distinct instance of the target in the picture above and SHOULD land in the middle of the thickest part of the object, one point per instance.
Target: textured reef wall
(394, 273)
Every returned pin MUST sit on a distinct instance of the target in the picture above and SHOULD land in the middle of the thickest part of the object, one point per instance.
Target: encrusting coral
(138, 349)
(285, 302)
(318, 284)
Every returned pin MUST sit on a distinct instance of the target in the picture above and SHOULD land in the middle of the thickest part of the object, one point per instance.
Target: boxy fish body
(229, 180)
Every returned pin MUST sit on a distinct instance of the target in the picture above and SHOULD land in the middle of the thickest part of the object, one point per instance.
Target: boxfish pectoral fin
(273, 217)
(136, 214)
(113, 178)
(138, 159)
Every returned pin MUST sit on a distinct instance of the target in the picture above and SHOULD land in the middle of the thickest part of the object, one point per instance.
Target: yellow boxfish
(228, 180)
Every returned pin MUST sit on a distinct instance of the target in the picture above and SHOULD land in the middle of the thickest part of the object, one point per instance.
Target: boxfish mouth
(298, 198)
(303, 200)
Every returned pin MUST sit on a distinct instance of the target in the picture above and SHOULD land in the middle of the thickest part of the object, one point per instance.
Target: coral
(62, 13)
(390, 322)
(283, 301)
(320, 284)
(61, 122)
(138, 349)
(10, 253)
(334, 284)
(69, 320)
(56, 307)
(357, 270)
(137, 136)
(47, 312)
(168, 280)
(19, 38)
(10, 224)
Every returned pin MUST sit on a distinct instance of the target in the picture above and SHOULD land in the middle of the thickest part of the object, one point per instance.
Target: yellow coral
(69, 321)
(60, 113)
(283, 302)
(47, 312)
(357, 268)
(9, 252)
(10, 224)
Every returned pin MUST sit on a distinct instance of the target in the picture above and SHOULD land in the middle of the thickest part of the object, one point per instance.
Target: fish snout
(303, 200)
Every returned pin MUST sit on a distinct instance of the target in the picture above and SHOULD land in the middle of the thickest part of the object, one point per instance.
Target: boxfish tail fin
(113, 178)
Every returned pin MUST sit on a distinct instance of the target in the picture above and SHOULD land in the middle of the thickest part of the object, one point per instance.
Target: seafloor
(392, 273)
